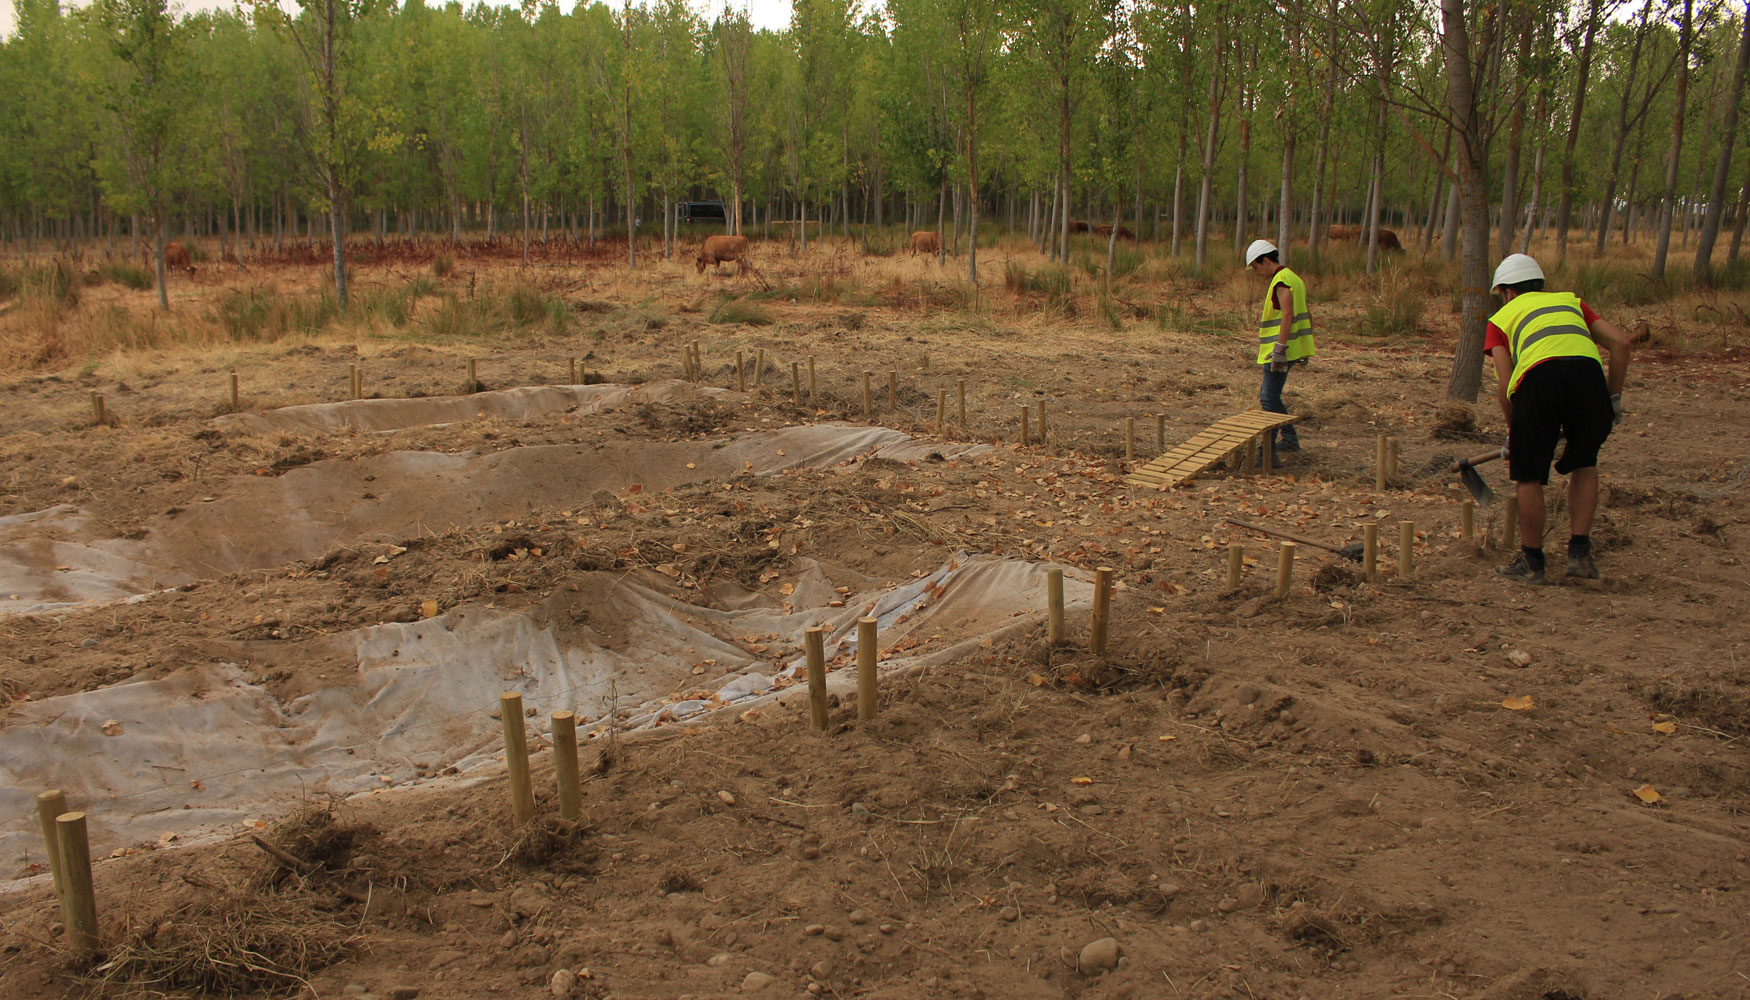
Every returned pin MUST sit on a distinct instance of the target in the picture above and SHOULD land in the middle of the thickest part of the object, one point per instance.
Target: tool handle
(1283, 534)
(1467, 463)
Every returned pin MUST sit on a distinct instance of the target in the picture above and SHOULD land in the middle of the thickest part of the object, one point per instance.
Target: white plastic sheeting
(205, 749)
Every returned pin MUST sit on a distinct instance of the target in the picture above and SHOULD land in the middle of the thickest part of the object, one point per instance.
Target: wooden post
(516, 757)
(1161, 432)
(565, 765)
(1392, 458)
(1249, 460)
(1102, 608)
(1268, 453)
(1129, 439)
(740, 371)
(573, 372)
(1236, 564)
(97, 414)
(473, 382)
(811, 378)
(1379, 462)
(236, 394)
(354, 384)
(868, 398)
(78, 898)
(1054, 605)
(50, 804)
(1284, 570)
(1406, 547)
(1023, 425)
(814, 638)
(893, 391)
(941, 409)
(1510, 522)
(1042, 434)
(1370, 552)
(961, 388)
(1467, 520)
(759, 366)
(866, 693)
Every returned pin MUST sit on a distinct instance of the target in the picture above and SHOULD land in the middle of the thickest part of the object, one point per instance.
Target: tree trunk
(1473, 165)
(1285, 207)
(160, 229)
(1582, 70)
(1669, 204)
(1710, 228)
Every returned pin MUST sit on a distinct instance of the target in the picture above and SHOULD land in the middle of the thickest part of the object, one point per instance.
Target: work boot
(1521, 568)
(1580, 564)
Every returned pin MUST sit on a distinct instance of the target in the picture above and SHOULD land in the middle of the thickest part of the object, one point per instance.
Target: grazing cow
(718, 249)
(176, 255)
(924, 241)
(1077, 226)
(1388, 240)
(1124, 233)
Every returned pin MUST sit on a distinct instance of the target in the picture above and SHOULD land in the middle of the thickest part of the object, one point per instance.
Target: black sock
(1533, 556)
(1580, 544)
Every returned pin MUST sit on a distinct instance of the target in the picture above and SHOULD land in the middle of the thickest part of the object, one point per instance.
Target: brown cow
(1388, 240)
(1077, 226)
(718, 249)
(176, 255)
(926, 241)
(1124, 233)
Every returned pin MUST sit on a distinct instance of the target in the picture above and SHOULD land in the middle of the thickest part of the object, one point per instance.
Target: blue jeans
(1270, 399)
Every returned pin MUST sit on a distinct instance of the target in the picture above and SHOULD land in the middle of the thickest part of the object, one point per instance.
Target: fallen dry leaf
(1646, 794)
(1666, 727)
(1519, 704)
(429, 608)
(1081, 781)
(112, 728)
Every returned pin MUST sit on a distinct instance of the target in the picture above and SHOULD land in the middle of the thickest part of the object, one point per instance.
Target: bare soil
(1329, 795)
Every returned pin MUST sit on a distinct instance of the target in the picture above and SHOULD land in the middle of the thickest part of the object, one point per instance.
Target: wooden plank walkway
(1208, 448)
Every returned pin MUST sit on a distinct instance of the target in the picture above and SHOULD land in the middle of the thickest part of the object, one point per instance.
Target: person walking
(1285, 333)
(1551, 384)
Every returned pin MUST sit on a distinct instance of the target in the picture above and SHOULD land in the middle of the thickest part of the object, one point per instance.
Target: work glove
(1616, 409)
(1279, 357)
(1506, 452)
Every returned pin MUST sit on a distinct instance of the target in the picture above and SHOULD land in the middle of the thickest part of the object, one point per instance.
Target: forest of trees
(1467, 127)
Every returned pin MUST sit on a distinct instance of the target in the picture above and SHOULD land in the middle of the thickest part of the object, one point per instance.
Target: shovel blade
(1473, 482)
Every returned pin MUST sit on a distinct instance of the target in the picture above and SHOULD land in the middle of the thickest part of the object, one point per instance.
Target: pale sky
(763, 13)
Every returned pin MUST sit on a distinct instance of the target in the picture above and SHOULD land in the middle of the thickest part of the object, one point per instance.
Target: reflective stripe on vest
(1300, 335)
(1544, 325)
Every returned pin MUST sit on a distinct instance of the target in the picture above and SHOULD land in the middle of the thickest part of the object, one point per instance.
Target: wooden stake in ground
(355, 382)
(1042, 434)
(740, 371)
(1468, 522)
(473, 383)
(1236, 564)
(98, 416)
(1129, 439)
(1284, 570)
(50, 804)
(1102, 609)
(960, 387)
(1160, 432)
(1054, 605)
(811, 378)
(796, 382)
(78, 898)
(1406, 548)
(893, 391)
(565, 770)
(1023, 425)
(516, 757)
(1268, 453)
(1510, 523)
(236, 394)
(1249, 460)
(866, 693)
(1379, 463)
(1370, 551)
(868, 397)
(814, 639)
(941, 409)
(686, 363)
(573, 372)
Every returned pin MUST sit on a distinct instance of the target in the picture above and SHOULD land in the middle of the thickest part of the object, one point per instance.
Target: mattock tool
(1467, 474)
(1351, 551)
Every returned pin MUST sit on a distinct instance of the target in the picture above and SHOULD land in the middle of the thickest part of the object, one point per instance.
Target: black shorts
(1561, 396)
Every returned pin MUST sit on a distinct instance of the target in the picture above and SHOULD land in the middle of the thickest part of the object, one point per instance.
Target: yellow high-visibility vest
(1300, 335)
(1544, 325)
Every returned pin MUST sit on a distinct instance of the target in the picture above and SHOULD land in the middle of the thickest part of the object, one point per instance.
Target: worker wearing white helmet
(1552, 384)
(1285, 333)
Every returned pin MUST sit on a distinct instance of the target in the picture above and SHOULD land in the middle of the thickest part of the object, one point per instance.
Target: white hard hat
(1258, 249)
(1514, 268)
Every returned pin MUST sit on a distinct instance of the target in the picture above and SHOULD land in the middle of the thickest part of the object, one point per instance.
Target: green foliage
(127, 275)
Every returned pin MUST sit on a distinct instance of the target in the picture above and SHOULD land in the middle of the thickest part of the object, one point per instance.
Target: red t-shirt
(1498, 339)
